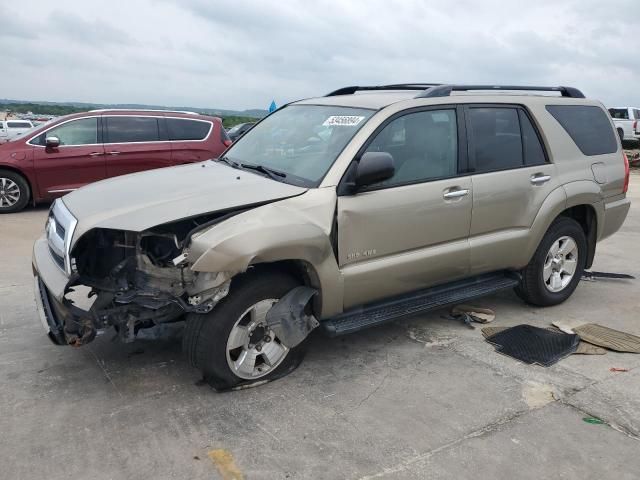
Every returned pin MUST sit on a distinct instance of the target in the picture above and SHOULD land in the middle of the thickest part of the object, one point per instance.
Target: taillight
(635, 125)
(227, 143)
(626, 174)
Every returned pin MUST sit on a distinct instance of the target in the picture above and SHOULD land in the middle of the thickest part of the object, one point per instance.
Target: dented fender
(297, 228)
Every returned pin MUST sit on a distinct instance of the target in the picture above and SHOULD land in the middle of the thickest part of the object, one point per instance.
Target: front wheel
(556, 268)
(235, 346)
(14, 192)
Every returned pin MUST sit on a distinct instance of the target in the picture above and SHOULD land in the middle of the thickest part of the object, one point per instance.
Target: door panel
(78, 160)
(512, 180)
(133, 144)
(123, 158)
(410, 231)
(402, 239)
(505, 205)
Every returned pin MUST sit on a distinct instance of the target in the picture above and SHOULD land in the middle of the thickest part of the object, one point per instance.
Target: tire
(235, 311)
(14, 192)
(534, 288)
(193, 325)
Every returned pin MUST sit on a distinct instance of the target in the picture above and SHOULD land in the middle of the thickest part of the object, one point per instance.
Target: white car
(11, 129)
(627, 122)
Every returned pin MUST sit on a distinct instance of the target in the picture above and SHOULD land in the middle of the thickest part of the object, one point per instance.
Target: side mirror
(374, 167)
(52, 142)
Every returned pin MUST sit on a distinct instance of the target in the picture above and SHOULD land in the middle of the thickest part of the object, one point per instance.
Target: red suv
(71, 151)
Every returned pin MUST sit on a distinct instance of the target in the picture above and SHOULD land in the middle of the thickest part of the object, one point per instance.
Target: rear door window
(531, 144)
(636, 114)
(495, 141)
(185, 129)
(588, 126)
(123, 129)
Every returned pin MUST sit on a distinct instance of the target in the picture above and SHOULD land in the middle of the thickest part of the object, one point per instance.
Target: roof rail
(142, 110)
(397, 86)
(445, 90)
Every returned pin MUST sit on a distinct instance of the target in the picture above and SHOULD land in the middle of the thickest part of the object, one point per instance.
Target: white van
(10, 129)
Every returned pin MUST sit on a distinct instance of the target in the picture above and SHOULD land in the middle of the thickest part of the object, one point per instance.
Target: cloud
(13, 26)
(242, 54)
(96, 32)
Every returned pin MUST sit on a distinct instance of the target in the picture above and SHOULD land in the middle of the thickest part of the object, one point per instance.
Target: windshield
(301, 141)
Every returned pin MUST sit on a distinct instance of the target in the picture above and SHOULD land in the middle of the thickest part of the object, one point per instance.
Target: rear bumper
(615, 212)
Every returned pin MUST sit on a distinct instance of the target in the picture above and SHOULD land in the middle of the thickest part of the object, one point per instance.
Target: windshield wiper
(229, 162)
(273, 174)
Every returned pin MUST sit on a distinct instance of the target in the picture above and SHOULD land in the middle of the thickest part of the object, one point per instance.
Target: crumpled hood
(143, 200)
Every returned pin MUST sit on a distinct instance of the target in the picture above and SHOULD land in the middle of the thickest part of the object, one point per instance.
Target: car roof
(370, 100)
(149, 113)
(378, 97)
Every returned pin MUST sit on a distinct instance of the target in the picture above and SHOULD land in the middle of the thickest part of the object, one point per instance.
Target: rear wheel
(14, 192)
(556, 268)
(235, 346)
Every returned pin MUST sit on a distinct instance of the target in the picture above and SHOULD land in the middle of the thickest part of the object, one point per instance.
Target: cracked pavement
(419, 398)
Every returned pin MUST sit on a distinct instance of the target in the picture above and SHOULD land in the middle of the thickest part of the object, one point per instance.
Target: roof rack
(141, 110)
(445, 90)
(397, 86)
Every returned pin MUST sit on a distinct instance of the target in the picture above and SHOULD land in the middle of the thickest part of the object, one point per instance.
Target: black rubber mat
(531, 344)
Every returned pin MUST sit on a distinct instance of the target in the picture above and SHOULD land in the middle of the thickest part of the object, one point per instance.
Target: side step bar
(432, 298)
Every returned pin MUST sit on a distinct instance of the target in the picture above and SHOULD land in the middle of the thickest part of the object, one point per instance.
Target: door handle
(96, 154)
(113, 153)
(540, 179)
(455, 193)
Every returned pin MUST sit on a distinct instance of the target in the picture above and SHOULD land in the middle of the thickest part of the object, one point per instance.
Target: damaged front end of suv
(136, 280)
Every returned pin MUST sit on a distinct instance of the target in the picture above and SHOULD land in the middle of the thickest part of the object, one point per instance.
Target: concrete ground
(422, 398)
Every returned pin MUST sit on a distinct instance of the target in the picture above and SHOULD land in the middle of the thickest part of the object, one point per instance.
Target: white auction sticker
(342, 121)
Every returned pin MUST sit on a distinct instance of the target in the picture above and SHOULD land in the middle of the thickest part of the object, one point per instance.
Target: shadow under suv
(71, 151)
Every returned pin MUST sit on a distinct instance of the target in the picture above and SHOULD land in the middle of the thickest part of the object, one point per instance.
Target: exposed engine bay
(140, 279)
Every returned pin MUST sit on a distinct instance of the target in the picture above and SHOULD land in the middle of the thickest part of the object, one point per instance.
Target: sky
(242, 54)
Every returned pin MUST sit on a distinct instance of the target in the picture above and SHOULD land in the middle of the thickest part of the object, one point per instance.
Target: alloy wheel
(253, 349)
(9, 193)
(560, 264)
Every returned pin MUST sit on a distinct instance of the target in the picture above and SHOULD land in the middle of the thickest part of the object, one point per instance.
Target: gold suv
(340, 212)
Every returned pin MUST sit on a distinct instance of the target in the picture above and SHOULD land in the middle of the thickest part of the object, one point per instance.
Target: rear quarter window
(185, 129)
(588, 126)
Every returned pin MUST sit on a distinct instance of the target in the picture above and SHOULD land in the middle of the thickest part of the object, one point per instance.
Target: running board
(410, 304)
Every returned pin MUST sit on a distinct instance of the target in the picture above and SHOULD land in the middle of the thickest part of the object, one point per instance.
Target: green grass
(42, 109)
